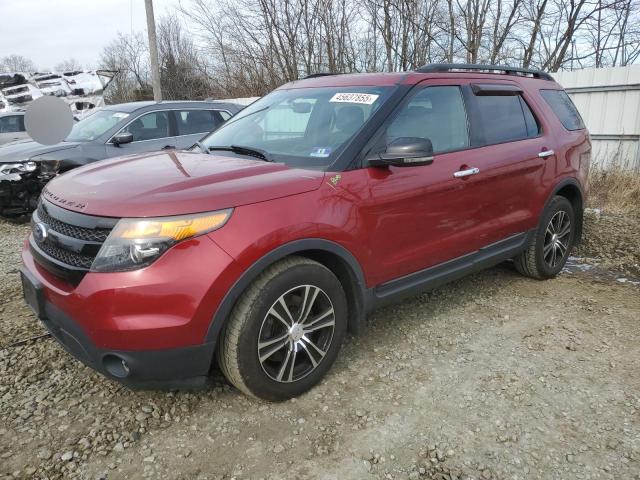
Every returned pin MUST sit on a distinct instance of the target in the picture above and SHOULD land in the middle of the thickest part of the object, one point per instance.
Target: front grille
(81, 233)
(68, 258)
(65, 242)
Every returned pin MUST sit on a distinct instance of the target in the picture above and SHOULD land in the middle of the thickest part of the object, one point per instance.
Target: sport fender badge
(335, 179)
(362, 98)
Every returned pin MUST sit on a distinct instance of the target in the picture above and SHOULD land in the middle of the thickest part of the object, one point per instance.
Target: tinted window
(436, 114)
(11, 124)
(197, 121)
(150, 126)
(564, 108)
(505, 118)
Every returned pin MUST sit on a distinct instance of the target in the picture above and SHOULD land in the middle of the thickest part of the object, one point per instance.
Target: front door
(419, 216)
(151, 132)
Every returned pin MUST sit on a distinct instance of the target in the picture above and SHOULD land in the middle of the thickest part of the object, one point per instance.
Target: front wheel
(549, 249)
(285, 332)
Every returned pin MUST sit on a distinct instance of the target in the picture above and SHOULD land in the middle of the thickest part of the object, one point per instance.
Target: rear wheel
(549, 249)
(285, 331)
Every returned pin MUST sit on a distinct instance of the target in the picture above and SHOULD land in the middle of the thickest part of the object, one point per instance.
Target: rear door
(193, 124)
(501, 175)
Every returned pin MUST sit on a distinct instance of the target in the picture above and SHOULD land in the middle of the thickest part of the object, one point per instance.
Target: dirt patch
(495, 376)
(612, 241)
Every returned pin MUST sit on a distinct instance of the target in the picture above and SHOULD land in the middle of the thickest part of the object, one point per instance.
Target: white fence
(609, 101)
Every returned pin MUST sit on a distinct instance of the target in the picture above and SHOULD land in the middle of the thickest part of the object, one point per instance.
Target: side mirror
(122, 138)
(404, 152)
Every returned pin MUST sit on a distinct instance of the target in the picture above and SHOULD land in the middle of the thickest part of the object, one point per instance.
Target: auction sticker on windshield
(363, 98)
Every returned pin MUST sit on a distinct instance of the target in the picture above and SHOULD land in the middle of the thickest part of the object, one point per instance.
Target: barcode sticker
(363, 98)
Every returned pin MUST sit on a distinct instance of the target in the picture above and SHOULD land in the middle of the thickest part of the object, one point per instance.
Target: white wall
(609, 101)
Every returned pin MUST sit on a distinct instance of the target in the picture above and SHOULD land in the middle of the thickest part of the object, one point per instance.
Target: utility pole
(153, 51)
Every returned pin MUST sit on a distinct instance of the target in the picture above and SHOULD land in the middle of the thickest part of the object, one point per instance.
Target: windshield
(305, 127)
(95, 125)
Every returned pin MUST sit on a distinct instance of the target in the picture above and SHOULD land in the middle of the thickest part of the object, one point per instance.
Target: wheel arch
(571, 190)
(330, 254)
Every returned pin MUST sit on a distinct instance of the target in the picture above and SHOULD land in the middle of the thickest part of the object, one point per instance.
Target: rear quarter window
(564, 108)
(506, 119)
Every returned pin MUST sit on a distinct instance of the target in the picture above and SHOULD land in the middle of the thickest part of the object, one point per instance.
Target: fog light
(116, 366)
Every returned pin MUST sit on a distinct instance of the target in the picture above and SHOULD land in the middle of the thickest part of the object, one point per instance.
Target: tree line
(236, 48)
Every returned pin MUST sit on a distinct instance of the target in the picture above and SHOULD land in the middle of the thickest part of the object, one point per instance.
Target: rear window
(564, 108)
(198, 121)
(506, 119)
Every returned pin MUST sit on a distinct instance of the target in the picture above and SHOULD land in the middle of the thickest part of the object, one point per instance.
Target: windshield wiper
(242, 150)
(202, 148)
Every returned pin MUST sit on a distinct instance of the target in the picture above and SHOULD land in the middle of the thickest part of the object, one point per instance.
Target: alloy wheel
(556, 238)
(296, 333)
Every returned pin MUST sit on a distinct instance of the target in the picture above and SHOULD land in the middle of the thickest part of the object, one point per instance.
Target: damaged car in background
(115, 130)
(82, 89)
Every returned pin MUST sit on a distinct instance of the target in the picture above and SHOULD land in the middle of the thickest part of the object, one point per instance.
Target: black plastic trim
(495, 89)
(316, 244)
(412, 284)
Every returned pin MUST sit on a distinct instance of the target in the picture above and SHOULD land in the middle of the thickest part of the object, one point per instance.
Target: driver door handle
(466, 173)
(168, 147)
(546, 153)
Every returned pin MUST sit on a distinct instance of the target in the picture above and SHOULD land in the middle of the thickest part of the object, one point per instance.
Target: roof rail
(316, 75)
(479, 68)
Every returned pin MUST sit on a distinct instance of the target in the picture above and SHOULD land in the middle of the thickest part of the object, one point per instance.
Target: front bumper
(145, 328)
(185, 367)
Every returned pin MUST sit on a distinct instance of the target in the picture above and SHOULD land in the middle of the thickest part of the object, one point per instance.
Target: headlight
(136, 242)
(22, 167)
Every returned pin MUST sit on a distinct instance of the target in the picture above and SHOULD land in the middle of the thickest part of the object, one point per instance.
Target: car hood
(25, 149)
(174, 183)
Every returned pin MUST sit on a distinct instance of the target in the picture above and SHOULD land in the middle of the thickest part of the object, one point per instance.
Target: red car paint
(394, 221)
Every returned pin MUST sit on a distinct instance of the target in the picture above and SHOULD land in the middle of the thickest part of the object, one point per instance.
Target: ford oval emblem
(40, 232)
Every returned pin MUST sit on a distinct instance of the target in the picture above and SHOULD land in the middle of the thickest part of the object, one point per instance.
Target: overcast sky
(50, 31)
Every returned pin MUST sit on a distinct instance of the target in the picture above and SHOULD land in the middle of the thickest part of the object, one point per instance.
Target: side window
(564, 108)
(506, 118)
(436, 114)
(197, 121)
(225, 115)
(149, 126)
(11, 124)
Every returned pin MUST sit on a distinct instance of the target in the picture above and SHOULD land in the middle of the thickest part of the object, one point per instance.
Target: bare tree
(16, 63)
(181, 74)
(128, 55)
(249, 47)
(68, 65)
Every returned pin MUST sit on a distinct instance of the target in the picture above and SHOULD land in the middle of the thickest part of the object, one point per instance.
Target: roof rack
(479, 68)
(316, 75)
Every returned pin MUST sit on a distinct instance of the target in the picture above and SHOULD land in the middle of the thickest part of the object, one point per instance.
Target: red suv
(281, 230)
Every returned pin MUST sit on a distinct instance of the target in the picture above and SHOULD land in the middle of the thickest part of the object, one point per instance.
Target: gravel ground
(492, 377)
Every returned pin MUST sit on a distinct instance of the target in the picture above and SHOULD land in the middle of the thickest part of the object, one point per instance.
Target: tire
(268, 353)
(537, 260)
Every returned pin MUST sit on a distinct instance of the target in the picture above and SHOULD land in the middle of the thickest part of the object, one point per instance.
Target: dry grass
(614, 191)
